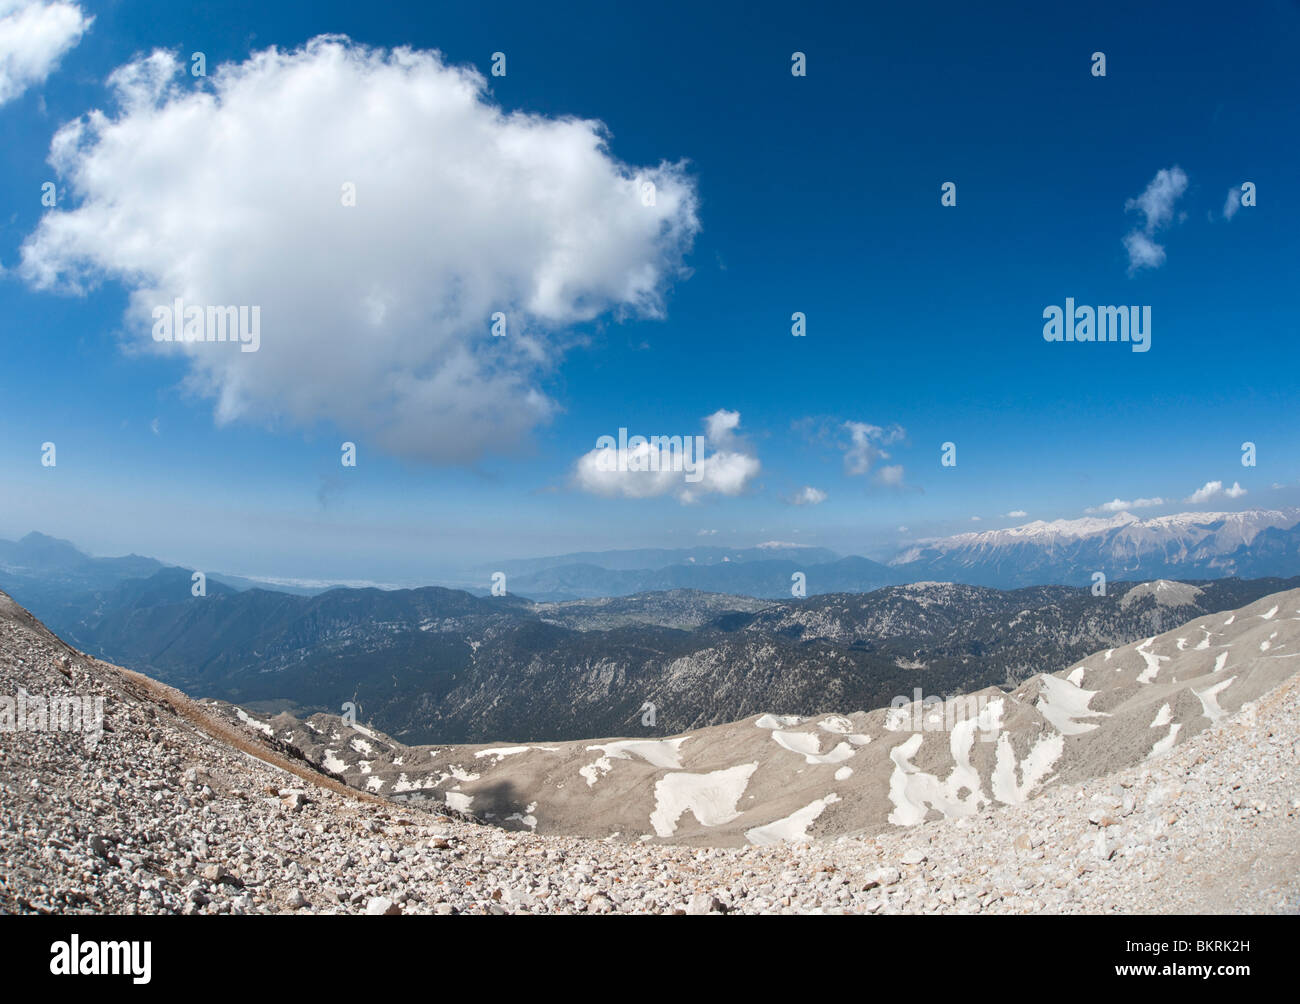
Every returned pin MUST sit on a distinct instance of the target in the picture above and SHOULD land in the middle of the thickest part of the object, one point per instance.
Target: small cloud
(155, 428)
(866, 445)
(1232, 204)
(705, 533)
(1235, 492)
(1015, 514)
(769, 545)
(890, 475)
(1143, 252)
(1206, 492)
(1156, 204)
(1120, 505)
(976, 519)
(721, 427)
(646, 467)
(808, 495)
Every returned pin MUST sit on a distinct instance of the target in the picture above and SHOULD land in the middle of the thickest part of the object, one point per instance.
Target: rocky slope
(178, 808)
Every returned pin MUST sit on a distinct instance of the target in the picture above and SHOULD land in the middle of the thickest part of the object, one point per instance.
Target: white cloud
(375, 317)
(1214, 488)
(866, 445)
(1232, 203)
(649, 467)
(1156, 204)
(34, 35)
(1206, 492)
(1120, 505)
(977, 519)
(890, 474)
(1143, 252)
(808, 495)
(1015, 514)
(721, 426)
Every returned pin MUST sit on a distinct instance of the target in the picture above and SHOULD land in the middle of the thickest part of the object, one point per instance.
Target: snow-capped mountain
(1185, 545)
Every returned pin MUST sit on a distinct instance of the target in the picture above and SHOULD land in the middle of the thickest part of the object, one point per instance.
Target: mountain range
(773, 777)
(1250, 544)
(438, 665)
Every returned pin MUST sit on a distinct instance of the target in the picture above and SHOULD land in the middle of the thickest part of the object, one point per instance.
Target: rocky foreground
(174, 809)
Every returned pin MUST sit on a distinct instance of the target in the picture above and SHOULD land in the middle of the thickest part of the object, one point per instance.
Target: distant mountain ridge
(1186, 545)
(1254, 543)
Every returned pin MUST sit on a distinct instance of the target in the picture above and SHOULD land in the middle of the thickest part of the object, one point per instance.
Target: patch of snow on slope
(792, 827)
(1210, 699)
(914, 792)
(529, 819)
(1166, 744)
(1034, 769)
(778, 721)
(809, 746)
(1152, 660)
(459, 801)
(248, 719)
(711, 797)
(656, 752)
(501, 752)
(1062, 703)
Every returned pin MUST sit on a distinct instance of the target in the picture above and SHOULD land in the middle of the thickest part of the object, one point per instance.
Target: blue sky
(777, 194)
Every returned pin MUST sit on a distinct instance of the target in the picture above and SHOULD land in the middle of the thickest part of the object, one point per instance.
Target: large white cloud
(377, 316)
(33, 38)
(646, 465)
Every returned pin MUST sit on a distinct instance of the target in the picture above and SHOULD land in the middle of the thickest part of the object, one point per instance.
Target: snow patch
(792, 827)
(1062, 702)
(710, 797)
